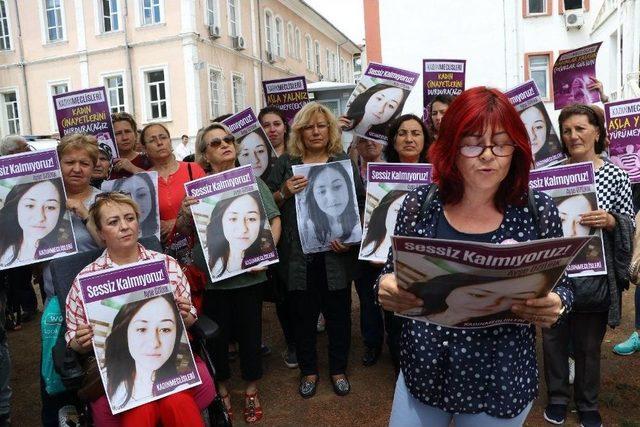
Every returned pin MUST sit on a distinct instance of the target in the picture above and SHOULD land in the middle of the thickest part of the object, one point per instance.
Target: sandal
(227, 407)
(252, 412)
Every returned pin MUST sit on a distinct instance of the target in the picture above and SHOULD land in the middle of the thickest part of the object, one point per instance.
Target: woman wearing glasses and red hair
(485, 376)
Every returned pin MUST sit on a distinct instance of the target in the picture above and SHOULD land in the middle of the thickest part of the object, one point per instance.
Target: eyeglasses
(319, 126)
(215, 142)
(502, 150)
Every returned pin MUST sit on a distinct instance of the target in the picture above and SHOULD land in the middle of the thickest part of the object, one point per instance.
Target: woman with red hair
(486, 376)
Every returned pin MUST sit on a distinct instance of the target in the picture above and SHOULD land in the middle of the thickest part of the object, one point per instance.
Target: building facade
(180, 62)
(506, 42)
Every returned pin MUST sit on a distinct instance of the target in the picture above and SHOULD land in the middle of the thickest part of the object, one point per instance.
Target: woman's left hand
(338, 247)
(77, 207)
(598, 219)
(184, 306)
(543, 312)
(257, 270)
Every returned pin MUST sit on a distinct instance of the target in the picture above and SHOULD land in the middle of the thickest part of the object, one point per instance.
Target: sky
(346, 15)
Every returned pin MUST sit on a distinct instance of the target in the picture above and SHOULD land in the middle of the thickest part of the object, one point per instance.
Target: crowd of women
(481, 154)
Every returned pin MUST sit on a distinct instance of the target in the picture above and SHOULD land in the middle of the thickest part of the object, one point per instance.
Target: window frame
(100, 16)
(103, 81)
(308, 44)
(278, 36)
(585, 6)
(221, 88)
(215, 12)
(53, 123)
(317, 53)
(297, 40)
(268, 31)
(548, 9)
(527, 72)
(290, 46)
(146, 95)
(5, 22)
(140, 11)
(236, 75)
(45, 23)
(234, 27)
(5, 124)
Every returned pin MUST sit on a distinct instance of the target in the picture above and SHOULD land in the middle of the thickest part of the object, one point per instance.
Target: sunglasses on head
(215, 142)
(107, 194)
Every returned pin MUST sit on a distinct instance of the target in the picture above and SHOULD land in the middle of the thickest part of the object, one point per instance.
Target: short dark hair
(184, 136)
(594, 119)
(124, 117)
(278, 112)
(390, 152)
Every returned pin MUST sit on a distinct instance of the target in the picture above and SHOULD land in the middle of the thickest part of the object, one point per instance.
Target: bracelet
(282, 197)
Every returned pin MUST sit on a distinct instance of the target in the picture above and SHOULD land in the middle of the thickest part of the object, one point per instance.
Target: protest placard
(86, 111)
(377, 99)
(143, 189)
(623, 128)
(254, 146)
(573, 72)
(387, 187)
(327, 209)
(442, 77)
(545, 144)
(573, 189)
(289, 95)
(231, 223)
(140, 341)
(474, 285)
(34, 217)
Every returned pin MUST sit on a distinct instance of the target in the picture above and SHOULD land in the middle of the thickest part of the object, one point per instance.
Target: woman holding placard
(597, 301)
(236, 232)
(317, 282)
(485, 376)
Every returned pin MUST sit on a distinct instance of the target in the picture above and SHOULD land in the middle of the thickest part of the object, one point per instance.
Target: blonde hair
(79, 141)
(296, 147)
(109, 198)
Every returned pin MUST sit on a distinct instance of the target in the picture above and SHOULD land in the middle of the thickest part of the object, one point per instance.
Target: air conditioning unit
(271, 57)
(214, 32)
(239, 43)
(574, 19)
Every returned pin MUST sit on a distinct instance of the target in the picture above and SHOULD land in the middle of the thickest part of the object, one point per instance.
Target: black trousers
(393, 326)
(21, 297)
(371, 323)
(336, 307)
(238, 313)
(585, 331)
(283, 310)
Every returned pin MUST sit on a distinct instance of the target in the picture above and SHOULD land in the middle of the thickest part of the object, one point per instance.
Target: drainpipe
(127, 50)
(26, 128)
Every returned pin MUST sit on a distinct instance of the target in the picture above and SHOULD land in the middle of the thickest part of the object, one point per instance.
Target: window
(309, 51)
(216, 92)
(328, 64)
(237, 91)
(535, 7)
(156, 92)
(5, 37)
(538, 68)
(12, 118)
(53, 19)
(341, 69)
(110, 19)
(115, 92)
(348, 78)
(55, 89)
(278, 38)
(151, 12)
(298, 42)
(290, 40)
(572, 4)
(268, 31)
(233, 17)
(317, 55)
(211, 12)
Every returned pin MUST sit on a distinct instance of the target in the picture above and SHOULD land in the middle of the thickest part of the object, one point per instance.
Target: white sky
(346, 15)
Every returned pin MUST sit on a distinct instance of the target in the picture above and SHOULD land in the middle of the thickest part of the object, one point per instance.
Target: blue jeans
(408, 411)
(5, 360)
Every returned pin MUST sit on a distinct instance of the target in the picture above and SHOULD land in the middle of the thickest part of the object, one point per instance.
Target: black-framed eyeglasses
(215, 142)
(502, 150)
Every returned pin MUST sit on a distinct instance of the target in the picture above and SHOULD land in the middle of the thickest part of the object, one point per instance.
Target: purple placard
(289, 95)
(403, 78)
(495, 257)
(567, 176)
(111, 283)
(86, 111)
(524, 95)
(442, 77)
(573, 72)
(29, 164)
(242, 123)
(399, 173)
(623, 128)
(221, 182)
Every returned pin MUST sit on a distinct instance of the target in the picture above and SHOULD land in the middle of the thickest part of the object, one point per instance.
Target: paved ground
(370, 401)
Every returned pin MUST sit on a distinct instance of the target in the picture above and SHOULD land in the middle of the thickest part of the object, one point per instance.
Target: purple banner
(289, 95)
(221, 182)
(112, 283)
(399, 173)
(38, 162)
(573, 189)
(378, 99)
(442, 77)
(86, 111)
(545, 145)
(623, 128)
(254, 146)
(573, 72)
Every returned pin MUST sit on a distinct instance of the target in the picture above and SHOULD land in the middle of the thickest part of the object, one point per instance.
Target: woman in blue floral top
(487, 376)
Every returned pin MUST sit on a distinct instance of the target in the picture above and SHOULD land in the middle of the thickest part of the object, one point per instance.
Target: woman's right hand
(393, 298)
(77, 207)
(294, 185)
(82, 341)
